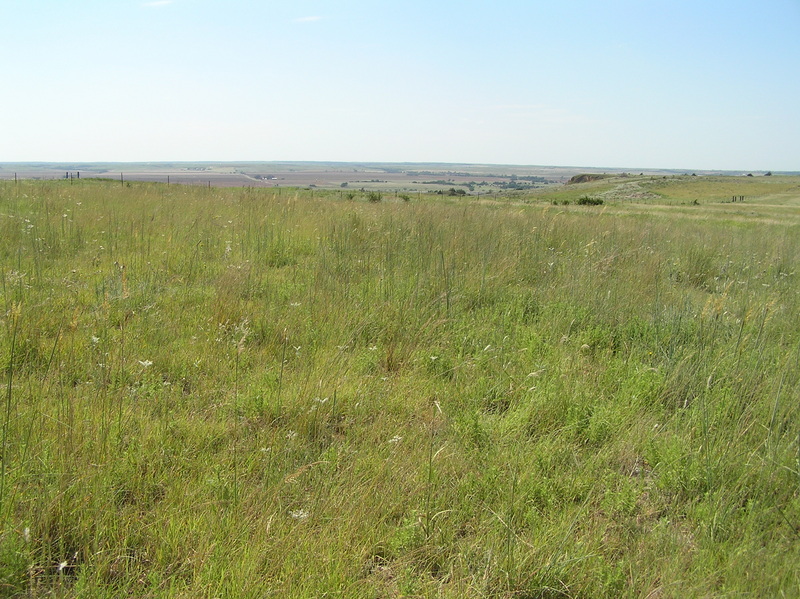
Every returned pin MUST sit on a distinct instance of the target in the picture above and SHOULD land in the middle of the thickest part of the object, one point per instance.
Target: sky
(700, 84)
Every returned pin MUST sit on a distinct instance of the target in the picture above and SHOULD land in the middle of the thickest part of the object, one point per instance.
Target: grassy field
(288, 393)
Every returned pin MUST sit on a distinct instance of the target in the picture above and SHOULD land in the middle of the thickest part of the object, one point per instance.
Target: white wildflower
(146, 363)
(299, 514)
(65, 564)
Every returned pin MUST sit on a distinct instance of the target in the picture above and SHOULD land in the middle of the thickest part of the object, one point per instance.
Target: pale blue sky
(617, 83)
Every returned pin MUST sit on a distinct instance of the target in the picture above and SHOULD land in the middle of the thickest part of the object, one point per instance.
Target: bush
(589, 201)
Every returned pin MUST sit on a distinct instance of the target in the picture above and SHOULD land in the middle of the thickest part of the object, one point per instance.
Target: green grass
(252, 393)
(681, 190)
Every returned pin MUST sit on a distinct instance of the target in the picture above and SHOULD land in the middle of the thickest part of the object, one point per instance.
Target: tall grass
(233, 392)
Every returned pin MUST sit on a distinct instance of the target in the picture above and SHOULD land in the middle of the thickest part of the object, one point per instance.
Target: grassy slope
(237, 393)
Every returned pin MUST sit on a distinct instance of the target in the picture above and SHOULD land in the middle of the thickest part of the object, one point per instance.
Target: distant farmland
(421, 177)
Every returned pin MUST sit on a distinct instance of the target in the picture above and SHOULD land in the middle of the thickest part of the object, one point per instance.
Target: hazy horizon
(620, 85)
(405, 163)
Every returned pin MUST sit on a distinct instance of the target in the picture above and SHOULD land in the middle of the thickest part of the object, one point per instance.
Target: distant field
(472, 178)
(573, 391)
(382, 177)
